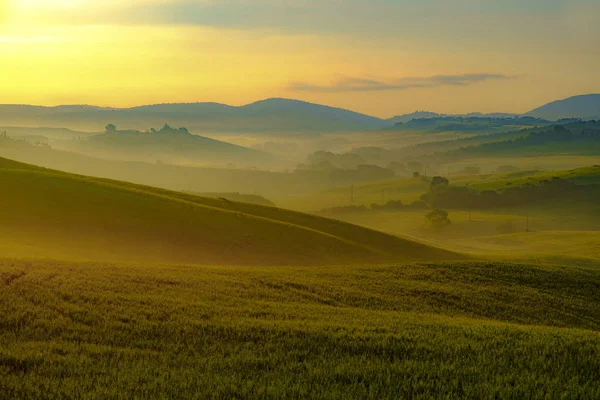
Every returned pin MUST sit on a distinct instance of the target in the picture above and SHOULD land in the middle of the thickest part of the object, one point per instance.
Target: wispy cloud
(350, 84)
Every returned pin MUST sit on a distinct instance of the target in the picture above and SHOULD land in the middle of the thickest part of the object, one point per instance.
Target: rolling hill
(574, 138)
(271, 115)
(584, 106)
(174, 146)
(47, 213)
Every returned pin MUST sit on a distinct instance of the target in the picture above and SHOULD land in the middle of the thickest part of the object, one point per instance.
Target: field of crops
(477, 330)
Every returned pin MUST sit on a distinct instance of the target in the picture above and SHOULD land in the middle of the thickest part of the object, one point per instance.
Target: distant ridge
(584, 106)
(274, 115)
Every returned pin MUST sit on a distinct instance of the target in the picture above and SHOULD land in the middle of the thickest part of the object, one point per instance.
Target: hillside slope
(48, 213)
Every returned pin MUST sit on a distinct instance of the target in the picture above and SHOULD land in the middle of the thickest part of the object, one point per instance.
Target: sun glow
(47, 4)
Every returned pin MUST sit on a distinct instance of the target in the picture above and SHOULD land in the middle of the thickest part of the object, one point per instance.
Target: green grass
(47, 213)
(359, 319)
(405, 189)
(411, 189)
(474, 330)
(580, 176)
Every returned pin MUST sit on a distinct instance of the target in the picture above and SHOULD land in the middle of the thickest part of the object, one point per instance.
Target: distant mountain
(268, 116)
(404, 118)
(491, 115)
(475, 124)
(585, 107)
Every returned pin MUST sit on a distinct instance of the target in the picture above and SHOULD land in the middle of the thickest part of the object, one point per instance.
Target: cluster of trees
(442, 194)
(345, 168)
(392, 205)
(20, 143)
(326, 160)
(166, 129)
(438, 219)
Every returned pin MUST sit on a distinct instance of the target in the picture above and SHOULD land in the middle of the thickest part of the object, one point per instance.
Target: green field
(572, 222)
(115, 290)
(448, 330)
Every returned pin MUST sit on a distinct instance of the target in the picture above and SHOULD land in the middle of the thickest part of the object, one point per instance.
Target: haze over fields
(300, 199)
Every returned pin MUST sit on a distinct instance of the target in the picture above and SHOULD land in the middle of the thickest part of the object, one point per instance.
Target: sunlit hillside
(447, 330)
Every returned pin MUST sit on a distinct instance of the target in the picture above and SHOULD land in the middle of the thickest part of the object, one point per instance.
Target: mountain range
(266, 116)
(275, 115)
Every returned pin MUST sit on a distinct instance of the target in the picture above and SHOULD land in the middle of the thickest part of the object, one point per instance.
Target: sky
(380, 57)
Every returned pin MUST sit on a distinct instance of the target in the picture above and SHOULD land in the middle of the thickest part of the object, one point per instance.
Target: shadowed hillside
(53, 214)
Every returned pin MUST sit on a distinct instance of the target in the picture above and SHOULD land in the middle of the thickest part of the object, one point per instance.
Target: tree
(438, 219)
(438, 182)
(110, 128)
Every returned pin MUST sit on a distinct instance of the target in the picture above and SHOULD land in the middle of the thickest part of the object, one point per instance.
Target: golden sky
(382, 57)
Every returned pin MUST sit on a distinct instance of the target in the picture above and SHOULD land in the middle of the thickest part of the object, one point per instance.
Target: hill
(271, 115)
(575, 138)
(470, 124)
(174, 146)
(47, 213)
(404, 118)
(449, 330)
(585, 106)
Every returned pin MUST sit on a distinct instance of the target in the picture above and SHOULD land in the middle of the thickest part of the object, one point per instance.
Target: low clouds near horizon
(350, 84)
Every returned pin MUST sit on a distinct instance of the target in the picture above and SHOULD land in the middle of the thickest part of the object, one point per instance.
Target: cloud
(349, 84)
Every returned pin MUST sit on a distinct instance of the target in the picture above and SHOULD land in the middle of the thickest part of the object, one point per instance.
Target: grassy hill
(579, 176)
(47, 213)
(449, 330)
(576, 138)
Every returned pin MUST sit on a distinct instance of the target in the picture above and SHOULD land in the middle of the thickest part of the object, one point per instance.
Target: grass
(410, 189)
(448, 330)
(46, 213)
(580, 176)
(360, 319)
(563, 229)
(405, 189)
